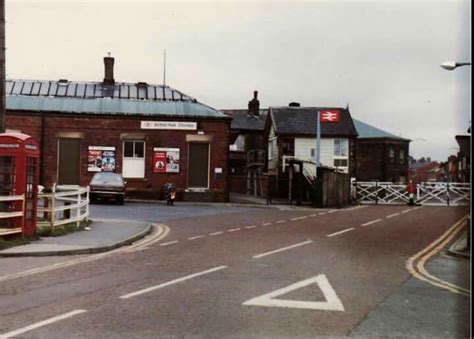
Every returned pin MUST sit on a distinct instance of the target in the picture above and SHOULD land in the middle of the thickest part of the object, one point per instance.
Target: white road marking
(175, 281)
(371, 222)
(294, 219)
(406, 211)
(215, 233)
(313, 215)
(332, 211)
(250, 227)
(322, 213)
(41, 324)
(280, 221)
(234, 230)
(196, 237)
(266, 223)
(417, 208)
(282, 249)
(332, 302)
(340, 232)
(392, 215)
(169, 243)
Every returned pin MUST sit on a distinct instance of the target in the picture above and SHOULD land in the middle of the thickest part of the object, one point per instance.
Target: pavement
(102, 235)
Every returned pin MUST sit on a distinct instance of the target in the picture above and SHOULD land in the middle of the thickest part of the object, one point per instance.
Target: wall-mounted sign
(331, 115)
(101, 159)
(165, 160)
(177, 125)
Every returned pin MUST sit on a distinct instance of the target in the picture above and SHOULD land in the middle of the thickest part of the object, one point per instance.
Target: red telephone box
(19, 168)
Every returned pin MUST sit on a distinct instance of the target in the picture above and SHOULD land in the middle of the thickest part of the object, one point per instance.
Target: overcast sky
(382, 58)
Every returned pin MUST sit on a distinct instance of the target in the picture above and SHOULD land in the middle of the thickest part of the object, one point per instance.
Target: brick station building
(151, 134)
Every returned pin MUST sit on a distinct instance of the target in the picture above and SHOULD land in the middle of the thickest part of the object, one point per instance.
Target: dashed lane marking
(250, 227)
(340, 232)
(313, 215)
(282, 249)
(233, 230)
(215, 233)
(371, 222)
(392, 215)
(294, 219)
(280, 221)
(41, 324)
(172, 282)
(169, 243)
(267, 223)
(196, 237)
(406, 211)
(322, 213)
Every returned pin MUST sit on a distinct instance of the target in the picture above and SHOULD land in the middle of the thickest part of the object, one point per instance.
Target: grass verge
(62, 229)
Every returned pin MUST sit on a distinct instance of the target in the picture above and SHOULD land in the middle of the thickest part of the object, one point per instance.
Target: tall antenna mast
(164, 69)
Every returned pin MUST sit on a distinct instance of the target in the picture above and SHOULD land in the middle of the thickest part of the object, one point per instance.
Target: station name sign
(167, 125)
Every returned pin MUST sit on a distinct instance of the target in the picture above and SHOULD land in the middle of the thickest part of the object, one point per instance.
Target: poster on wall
(165, 160)
(101, 159)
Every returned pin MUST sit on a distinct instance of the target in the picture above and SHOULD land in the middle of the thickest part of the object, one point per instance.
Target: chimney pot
(254, 105)
(109, 70)
(294, 104)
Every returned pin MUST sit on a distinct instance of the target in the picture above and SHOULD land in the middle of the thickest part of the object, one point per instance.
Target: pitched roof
(367, 131)
(303, 120)
(98, 98)
(241, 120)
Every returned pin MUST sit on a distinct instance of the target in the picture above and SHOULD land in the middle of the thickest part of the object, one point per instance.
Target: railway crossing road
(254, 272)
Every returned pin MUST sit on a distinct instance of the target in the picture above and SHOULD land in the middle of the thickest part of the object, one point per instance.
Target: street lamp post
(452, 65)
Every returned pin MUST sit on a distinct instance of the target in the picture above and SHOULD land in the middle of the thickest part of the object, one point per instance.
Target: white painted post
(78, 209)
(87, 205)
(53, 207)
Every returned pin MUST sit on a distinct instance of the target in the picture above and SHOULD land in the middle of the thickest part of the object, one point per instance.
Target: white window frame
(341, 157)
(271, 147)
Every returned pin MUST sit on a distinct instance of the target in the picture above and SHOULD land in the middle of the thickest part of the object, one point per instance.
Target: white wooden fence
(427, 193)
(10, 201)
(64, 205)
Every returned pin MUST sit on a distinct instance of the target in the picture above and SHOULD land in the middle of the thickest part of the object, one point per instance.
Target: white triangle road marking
(332, 302)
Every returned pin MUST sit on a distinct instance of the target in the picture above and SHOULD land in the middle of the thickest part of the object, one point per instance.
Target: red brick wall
(106, 131)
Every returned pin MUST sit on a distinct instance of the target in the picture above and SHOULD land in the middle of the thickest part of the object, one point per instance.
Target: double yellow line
(416, 264)
(160, 232)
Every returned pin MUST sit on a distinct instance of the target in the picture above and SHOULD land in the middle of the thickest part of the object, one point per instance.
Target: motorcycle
(170, 190)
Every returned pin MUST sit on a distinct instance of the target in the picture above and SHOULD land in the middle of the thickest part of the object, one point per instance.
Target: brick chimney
(254, 105)
(109, 70)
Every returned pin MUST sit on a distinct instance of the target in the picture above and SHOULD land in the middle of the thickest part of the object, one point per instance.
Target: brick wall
(373, 160)
(107, 131)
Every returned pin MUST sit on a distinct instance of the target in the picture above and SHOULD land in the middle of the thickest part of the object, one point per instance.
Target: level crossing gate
(427, 193)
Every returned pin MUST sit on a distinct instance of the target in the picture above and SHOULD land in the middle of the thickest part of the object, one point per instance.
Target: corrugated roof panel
(62, 88)
(44, 90)
(159, 92)
(142, 92)
(71, 90)
(124, 91)
(89, 91)
(27, 86)
(133, 92)
(98, 91)
(151, 92)
(53, 88)
(80, 90)
(36, 88)
(9, 86)
(168, 93)
(17, 88)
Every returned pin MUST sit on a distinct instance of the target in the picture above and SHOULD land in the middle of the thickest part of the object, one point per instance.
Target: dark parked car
(107, 186)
